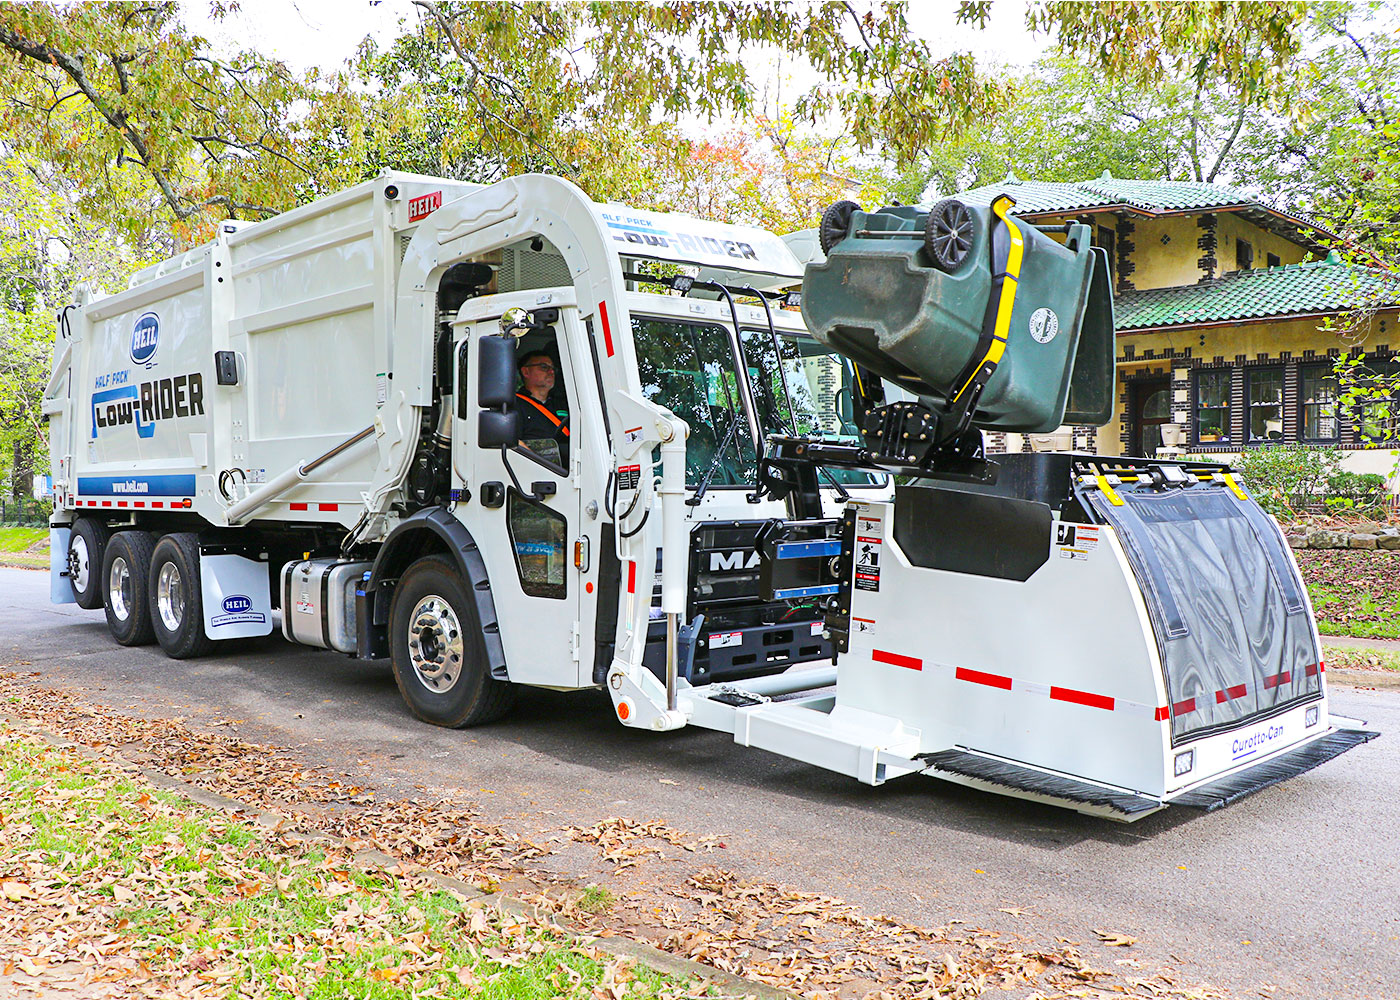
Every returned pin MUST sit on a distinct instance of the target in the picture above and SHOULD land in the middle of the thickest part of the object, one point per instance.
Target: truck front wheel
(177, 605)
(438, 653)
(126, 566)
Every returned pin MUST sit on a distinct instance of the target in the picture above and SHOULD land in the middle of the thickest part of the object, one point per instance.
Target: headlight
(1184, 762)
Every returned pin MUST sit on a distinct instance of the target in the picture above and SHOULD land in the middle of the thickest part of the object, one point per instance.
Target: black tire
(471, 696)
(178, 618)
(836, 224)
(126, 570)
(949, 233)
(85, 548)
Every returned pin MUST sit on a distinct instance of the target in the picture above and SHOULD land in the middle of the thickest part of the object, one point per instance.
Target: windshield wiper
(714, 461)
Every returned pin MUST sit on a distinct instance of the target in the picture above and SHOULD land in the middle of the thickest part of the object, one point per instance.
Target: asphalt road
(1293, 892)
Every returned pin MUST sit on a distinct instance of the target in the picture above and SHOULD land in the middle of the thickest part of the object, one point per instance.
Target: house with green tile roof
(1222, 305)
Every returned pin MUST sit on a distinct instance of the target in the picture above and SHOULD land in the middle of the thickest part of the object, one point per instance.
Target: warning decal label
(868, 578)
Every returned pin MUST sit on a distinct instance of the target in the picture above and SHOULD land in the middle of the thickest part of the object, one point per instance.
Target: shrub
(1286, 478)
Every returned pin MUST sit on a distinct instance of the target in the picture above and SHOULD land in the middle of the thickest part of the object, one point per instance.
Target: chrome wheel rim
(119, 589)
(78, 562)
(170, 597)
(435, 644)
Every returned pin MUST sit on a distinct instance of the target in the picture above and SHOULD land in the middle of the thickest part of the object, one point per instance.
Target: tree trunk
(22, 472)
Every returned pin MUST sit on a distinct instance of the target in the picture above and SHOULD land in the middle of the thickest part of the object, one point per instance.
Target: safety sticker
(719, 640)
(628, 477)
(632, 435)
(1076, 541)
(305, 607)
(381, 388)
(870, 524)
(868, 578)
(863, 626)
(818, 628)
(867, 550)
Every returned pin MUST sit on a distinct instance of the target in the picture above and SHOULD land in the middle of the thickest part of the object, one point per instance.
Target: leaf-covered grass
(191, 903)
(1351, 658)
(1354, 593)
(15, 543)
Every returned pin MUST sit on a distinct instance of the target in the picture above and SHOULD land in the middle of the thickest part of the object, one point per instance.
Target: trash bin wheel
(836, 224)
(948, 234)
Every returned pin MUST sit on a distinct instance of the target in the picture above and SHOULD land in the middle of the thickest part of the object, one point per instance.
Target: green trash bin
(970, 307)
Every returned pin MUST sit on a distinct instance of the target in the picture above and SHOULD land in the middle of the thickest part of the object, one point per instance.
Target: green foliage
(1284, 478)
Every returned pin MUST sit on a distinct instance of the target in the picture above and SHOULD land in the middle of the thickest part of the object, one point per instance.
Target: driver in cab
(544, 423)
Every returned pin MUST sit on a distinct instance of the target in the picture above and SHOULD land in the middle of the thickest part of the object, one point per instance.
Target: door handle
(544, 488)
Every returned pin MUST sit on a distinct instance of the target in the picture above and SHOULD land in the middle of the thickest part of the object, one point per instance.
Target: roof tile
(1296, 289)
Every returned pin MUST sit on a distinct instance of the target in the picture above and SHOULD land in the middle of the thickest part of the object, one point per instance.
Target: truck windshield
(689, 368)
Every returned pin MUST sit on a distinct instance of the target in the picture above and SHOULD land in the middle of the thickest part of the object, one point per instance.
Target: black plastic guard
(1027, 779)
(1234, 787)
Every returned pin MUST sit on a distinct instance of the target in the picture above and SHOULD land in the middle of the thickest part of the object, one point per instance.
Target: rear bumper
(1231, 787)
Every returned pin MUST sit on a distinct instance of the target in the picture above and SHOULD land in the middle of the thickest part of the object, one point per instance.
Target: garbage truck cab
(504, 436)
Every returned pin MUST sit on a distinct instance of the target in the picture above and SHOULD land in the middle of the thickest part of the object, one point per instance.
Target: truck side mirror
(497, 428)
(495, 374)
(497, 424)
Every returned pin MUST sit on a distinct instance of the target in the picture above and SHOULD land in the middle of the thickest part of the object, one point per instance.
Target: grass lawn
(107, 880)
(15, 543)
(1353, 593)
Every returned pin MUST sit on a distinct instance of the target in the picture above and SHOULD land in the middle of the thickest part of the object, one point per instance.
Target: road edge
(619, 947)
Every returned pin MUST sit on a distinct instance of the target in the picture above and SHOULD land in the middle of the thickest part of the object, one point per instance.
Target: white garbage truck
(504, 436)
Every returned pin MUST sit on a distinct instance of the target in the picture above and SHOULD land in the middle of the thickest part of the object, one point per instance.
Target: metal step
(1234, 787)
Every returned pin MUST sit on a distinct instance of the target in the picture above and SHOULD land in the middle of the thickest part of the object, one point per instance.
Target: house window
(1212, 405)
(1377, 416)
(1264, 405)
(1317, 403)
(1244, 254)
(1273, 259)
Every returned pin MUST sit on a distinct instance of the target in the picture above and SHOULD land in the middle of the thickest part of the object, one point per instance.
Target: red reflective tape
(1231, 693)
(978, 677)
(297, 506)
(106, 503)
(1182, 707)
(631, 576)
(1311, 670)
(1162, 714)
(1277, 679)
(138, 503)
(1322, 666)
(896, 660)
(157, 503)
(607, 328)
(328, 506)
(1081, 698)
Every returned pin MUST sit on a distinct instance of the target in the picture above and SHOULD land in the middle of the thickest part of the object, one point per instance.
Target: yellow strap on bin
(1000, 206)
(1109, 491)
(1234, 486)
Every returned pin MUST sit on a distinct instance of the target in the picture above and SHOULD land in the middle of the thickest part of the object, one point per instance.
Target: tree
(582, 89)
(124, 101)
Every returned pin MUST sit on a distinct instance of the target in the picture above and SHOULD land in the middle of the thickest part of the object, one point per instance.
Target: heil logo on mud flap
(237, 604)
(145, 336)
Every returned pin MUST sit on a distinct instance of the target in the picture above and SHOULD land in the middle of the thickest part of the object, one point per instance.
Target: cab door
(525, 526)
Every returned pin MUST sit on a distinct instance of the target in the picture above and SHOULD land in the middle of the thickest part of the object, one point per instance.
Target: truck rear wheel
(176, 603)
(85, 547)
(437, 649)
(126, 567)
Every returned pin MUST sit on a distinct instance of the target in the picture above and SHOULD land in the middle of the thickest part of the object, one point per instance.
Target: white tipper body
(1060, 670)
